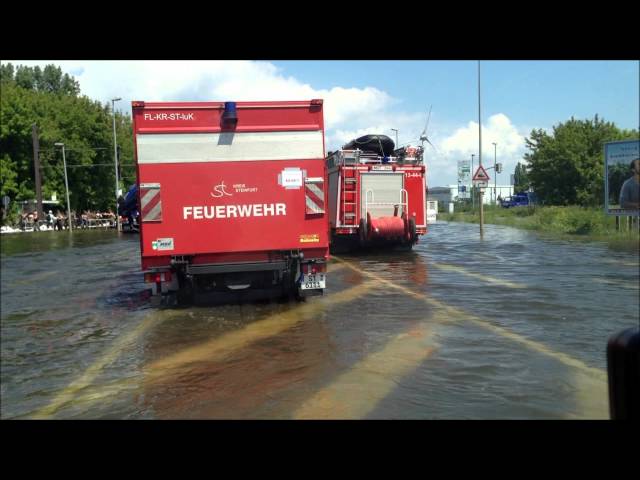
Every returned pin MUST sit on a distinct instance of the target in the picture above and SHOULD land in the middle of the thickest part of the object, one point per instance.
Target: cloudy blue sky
(376, 96)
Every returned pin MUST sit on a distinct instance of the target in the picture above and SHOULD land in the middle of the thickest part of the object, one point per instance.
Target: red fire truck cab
(231, 198)
(377, 194)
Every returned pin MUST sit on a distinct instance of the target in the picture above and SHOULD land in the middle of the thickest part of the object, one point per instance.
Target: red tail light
(313, 268)
(157, 277)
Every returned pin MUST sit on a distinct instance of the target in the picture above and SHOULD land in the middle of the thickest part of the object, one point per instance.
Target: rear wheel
(362, 231)
(186, 292)
(410, 234)
(169, 299)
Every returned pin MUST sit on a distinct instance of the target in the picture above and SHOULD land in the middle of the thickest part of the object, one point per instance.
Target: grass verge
(569, 222)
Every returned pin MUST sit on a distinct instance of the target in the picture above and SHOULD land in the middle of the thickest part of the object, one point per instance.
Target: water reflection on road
(513, 326)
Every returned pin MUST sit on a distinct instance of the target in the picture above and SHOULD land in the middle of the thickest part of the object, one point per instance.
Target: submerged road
(511, 327)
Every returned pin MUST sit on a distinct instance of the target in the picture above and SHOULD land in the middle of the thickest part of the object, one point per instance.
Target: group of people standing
(87, 215)
(59, 220)
(31, 219)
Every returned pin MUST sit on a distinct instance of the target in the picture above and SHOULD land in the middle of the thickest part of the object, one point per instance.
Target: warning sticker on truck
(162, 244)
(313, 238)
(290, 178)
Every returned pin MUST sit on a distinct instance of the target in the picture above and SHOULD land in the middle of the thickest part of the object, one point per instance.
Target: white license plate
(310, 282)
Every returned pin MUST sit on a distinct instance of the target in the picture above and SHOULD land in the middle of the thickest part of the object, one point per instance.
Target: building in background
(444, 195)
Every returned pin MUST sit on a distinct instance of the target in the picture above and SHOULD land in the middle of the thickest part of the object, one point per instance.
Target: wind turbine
(423, 136)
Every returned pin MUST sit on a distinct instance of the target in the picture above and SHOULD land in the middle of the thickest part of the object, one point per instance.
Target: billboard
(464, 179)
(464, 172)
(622, 177)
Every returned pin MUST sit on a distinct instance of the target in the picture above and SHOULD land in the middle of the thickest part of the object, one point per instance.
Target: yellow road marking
(95, 393)
(68, 394)
(211, 350)
(35, 278)
(334, 267)
(356, 393)
(458, 313)
(591, 398)
(622, 262)
(127, 251)
(617, 283)
(485, 278)
(227, 343)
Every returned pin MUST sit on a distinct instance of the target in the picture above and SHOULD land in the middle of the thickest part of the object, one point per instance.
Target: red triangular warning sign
(481, 174)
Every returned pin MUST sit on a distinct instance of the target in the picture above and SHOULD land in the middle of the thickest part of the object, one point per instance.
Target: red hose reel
(390, 228)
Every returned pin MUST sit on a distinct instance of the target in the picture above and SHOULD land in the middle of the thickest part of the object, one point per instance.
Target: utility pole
(495, 173)
(66, 185)
(36, 167)
(480, 153)
(115, 159)
(396, 130)
(473, 192)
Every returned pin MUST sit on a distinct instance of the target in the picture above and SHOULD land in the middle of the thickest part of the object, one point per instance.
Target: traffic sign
(481, 175)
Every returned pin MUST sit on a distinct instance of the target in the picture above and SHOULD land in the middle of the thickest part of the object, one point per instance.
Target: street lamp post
(480, 154)
(66, 184)
(473, 193)
(495, 173)
(115, 158)
(396, 130)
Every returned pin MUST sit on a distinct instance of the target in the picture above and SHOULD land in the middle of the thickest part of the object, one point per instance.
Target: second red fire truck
(377, 194)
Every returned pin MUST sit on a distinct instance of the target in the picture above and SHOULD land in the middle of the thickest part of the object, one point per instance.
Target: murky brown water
(514, 326)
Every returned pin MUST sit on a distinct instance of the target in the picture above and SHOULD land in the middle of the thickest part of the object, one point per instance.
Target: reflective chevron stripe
(150, 202)
(314, 196)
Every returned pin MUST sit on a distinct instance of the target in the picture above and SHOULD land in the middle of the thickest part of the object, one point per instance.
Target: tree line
(52, 100)
(566, 166)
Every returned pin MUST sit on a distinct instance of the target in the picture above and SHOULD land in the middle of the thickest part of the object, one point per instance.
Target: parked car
(523, 199)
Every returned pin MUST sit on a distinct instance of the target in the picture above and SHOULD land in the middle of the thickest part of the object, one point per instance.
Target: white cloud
(463, 142)
(215, 80)
(499, 129)
(349, 111)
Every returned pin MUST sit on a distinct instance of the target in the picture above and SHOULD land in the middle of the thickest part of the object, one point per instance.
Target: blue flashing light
(230, 115)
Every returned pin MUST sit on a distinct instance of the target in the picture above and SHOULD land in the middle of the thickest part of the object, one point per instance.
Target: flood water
(511, 327)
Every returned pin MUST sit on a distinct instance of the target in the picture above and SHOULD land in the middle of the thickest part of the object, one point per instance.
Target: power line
(74, 149)
(100, 165)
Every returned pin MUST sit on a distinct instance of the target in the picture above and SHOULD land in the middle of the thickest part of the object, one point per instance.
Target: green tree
(51, 79)
(6, 72)
(566, 167)
(52, 101)
(521, 178)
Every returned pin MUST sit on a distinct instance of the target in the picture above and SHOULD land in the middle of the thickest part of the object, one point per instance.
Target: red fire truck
(377, 194)
(232, 198)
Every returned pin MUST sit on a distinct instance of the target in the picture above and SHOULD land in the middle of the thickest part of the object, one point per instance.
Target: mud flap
(169, 300)
(303, 294)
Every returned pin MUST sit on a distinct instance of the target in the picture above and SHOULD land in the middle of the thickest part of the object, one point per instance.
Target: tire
(411, 236)
(362, 231)
(169, 300)
(186, 291)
